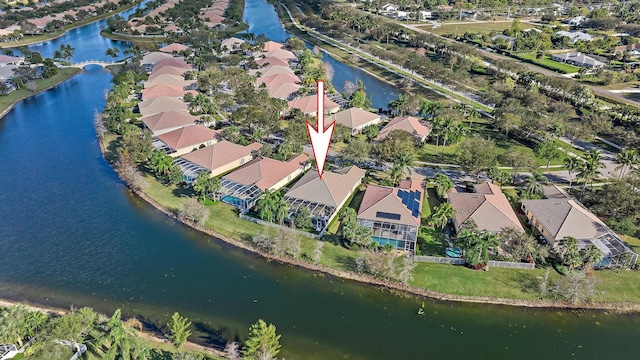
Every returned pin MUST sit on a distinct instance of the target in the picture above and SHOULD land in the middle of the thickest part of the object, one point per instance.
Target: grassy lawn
(52, 351)
(548, 63)
(633, 242)
(41, 84)
(568, 148)
(479, 27)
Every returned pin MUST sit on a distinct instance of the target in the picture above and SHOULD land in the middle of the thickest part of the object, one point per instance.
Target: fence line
(278, 226)
(459, 261)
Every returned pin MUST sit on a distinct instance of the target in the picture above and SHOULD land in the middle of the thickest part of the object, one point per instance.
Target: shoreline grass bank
(9, 101)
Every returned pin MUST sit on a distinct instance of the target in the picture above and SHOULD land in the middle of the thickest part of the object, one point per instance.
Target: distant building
(575, 36)
(355, 119)
(308, 105)
(418, 128)
(393, 213)
(186, 139)
(216, 159)
(578, 59)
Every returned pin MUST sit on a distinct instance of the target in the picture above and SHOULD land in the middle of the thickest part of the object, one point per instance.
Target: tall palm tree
(405, 160)
(282, 210)
(534, 184)
(590, 168)
(429, 108)
(443, 184)
(458, 132)
(626, 159)
(121, 338)
(446, 127)
(396, 171)
(160, 163)
(572, 163)
(441, 215)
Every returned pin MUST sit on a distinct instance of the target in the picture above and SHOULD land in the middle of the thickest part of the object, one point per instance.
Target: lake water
(72, 234)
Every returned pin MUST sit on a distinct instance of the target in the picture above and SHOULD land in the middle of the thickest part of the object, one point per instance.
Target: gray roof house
(575, 36)
(324, 197)
(559, 216)
(578, 59)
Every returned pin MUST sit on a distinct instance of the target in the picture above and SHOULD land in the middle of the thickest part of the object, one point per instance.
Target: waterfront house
(10, 60)
(165, 90)
(167, 70)
(168, 79)
(486, 206)
(242, 187)
(271, 46)
(393, 214)
(324, 197)
(186, 139)
(578, 59)
(272, 70)
(152, 58)
(309, 105)
(161, 104)
(166, 121)
(174, 61)
(216, 159)
(281, 54)
(174, 48)
(420, 129)
(559, 216)
(355, 119)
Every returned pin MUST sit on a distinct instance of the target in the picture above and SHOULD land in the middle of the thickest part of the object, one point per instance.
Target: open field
(546, 62)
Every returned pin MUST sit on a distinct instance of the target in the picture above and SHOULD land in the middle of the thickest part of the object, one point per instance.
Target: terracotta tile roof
(168, 120)
(168, 70)
(332, 190)
(283, 91)
(6, 59)
(487, 207)
(271, 45)
(162, 90)
(212, 18)
(308, 105)
(272, 70)
(167, 79)
(220, 154)
(379, 200)
(418, 128)
(154, 57)
(272, 61)
(171, 28)
(354, 117)
(266, 172)
(281, 54)
(175, 47)
(161, 104)
(278, 80)
(566, 217)
(231, 43)
(187, 136)
(177, 62)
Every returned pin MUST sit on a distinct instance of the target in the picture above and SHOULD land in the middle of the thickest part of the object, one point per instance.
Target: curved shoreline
(15, 102)
(97, 18)
(406, 289)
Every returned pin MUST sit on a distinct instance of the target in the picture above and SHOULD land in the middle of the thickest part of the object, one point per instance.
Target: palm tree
(430, 108)
(112, 52)
(282, 210)
(405, 161)
(591, 255)
(458, 132)
(446, 127)
(534, 184)
(121, 338)
(160, 163)
(267, 206)
(443, 184)
(572, 163)
(441, 215)
(626, 159)
(396, 171)
(590, 168)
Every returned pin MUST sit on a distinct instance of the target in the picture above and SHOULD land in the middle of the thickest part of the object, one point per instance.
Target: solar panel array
(411, 199)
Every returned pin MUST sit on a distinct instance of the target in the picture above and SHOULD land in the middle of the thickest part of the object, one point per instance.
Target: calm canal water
(263, 19)
(71, 233)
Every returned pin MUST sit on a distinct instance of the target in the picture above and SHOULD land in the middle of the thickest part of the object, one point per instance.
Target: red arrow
(320, 137)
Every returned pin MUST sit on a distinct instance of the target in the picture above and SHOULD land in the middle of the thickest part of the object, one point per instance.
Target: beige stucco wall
(188, 149)
(288, 179)
(230, 166)
(335, 213)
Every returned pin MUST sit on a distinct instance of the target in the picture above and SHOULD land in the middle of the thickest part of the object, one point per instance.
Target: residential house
(575, 21)
(216, 159)
(355, 119)
(281, 54)
(167, 70)
(556, 217)
(393, 214)
(186, 139)
(268, 61)
(10, 60)
(278, 79)
(173, 29)
(165, 90)
(166, 121)
(174, 61)
(426, 15)
(272, 70)
(389, 8)
(174, 48)
(152, 58)
(271, 46)
(575, 36)
(324, 197)
(623, 48)
(231, 44)
(243, 187)
(168, 79)
(420, 129)
(309, 105)
(161, 104)
(578, 59)
(486, 206)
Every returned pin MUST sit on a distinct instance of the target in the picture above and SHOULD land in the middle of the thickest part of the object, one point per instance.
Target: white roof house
(575, 36)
